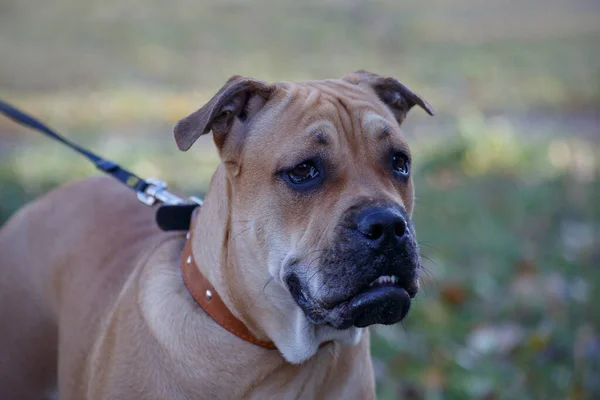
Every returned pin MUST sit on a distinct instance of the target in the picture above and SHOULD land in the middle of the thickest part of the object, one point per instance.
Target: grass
(507, 174)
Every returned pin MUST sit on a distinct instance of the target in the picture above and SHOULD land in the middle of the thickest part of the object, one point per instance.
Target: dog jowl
(369, 273)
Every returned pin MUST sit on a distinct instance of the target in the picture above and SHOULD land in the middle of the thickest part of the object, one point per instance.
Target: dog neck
(209, 299)
(247, 292)
(214, 260)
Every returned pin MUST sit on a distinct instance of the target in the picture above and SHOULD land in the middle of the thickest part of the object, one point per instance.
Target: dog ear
(222, 111)
(394, 94)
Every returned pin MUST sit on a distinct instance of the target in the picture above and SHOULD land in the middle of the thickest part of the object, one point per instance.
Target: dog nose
(382, 225)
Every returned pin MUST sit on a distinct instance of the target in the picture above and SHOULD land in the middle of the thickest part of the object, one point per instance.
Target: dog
(305, 239)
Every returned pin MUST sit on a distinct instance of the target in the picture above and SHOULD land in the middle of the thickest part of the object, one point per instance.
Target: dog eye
(303, 172)
(401, 164)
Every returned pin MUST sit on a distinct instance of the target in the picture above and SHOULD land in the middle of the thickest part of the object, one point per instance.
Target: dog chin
(302, 339)
(385, 305)
(385, 301)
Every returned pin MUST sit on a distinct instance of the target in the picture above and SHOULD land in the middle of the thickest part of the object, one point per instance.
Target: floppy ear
(394, 94)
(228, 107)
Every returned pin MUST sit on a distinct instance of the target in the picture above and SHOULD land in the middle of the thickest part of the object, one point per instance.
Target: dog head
(319, 178)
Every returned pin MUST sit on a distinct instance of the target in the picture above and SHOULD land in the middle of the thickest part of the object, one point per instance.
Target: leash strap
(173, 215)
(122, 175)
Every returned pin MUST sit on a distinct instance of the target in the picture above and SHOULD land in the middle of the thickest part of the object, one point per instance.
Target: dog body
(305, 234)
(109, 289)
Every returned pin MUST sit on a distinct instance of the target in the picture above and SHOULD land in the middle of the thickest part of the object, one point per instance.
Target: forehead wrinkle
(285, 97)
(376, 125)
(350, 119)
(321, 132)
(327, 122)
(344, 115)
(335, 87)
(313, 96)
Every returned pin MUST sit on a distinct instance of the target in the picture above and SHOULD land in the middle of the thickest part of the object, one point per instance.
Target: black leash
(122, 175)
(174, 214)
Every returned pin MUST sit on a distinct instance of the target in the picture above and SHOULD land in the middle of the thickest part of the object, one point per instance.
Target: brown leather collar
(209, 300)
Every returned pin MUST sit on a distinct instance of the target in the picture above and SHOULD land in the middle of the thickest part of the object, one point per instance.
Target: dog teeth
(386, 279)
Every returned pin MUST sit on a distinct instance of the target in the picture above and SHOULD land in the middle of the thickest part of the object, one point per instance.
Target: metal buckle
(148, 197)
(157, 192)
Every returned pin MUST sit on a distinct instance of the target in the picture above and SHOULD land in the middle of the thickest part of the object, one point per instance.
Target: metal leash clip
(156, 191)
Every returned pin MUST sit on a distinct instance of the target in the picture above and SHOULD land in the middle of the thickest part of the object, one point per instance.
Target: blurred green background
(507, 173)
